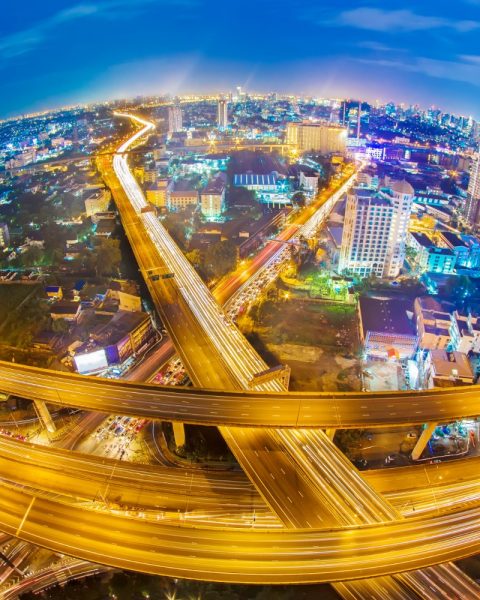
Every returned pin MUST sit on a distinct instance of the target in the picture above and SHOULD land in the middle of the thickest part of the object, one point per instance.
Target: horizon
(213, 94)
(80, 52)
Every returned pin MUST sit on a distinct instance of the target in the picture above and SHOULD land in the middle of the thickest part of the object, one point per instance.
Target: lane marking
(25, 516)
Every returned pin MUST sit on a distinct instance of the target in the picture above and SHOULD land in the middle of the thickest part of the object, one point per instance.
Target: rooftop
(454, 365)
(246, 179)
(453, 239)
(402, 187)
(422, 239)
(386, 315)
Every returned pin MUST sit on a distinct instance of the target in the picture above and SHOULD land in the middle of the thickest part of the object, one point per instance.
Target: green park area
(317, 339)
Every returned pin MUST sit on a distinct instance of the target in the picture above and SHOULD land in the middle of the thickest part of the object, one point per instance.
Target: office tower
(222, 114)
(4, 235)
(472, 204)
(375, 230)
(174, 119)
(318, 137)
(355, 116)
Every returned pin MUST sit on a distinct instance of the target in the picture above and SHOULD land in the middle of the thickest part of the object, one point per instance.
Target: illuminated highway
(299, 473)
(244, 555)
(216, 496)
(348, 410)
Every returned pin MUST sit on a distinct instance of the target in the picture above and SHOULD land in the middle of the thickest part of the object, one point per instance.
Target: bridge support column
(44, 415)
(179, 434)
(423, 440)
(330, 432)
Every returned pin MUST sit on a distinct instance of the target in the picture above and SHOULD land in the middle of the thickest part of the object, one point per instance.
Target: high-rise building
(401, 194)
(355, 116)
(175, 121)
(319, 137)
(4, 235)
(472, 204)
(222, 114)
(375, 230)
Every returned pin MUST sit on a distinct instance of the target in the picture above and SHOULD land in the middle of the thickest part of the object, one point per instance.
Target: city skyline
(428, 55)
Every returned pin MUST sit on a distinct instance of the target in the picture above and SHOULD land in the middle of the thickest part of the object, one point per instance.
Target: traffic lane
(233, 556)
(280, 480)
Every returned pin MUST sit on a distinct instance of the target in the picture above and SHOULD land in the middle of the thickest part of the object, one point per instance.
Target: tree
(175, 228)
(459, 288)
(349, 441)
(32, 257)
(299, 198)
(195, 257)
(106, 256)
(60, 326)
(220, 258)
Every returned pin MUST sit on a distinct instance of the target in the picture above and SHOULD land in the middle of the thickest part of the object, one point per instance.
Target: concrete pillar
(423, 440)
(330, 433)
(44, 415)
(179, 434)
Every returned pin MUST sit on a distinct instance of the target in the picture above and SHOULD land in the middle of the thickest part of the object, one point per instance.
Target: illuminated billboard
(92, 361)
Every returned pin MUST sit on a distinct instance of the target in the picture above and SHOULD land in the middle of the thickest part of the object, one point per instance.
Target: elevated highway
(241, 408)
(215, 497)
(279, 556)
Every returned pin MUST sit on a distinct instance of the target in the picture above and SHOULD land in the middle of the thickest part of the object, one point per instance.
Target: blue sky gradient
(60, 52)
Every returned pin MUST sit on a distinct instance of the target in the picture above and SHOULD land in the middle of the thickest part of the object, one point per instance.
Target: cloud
(26, 40)
(397, 21)
(471, 58)
(463, 70)
(376, 47)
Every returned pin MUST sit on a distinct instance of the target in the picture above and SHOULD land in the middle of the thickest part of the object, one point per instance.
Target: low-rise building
(4, 235)
(433, 323)
(212, 197)
(103, 215)
(125, 333)
(180, 195)
(440, 260)
(309, 181)
(54, 291)
(97, 202)
(105, 227)
(66, 309)
(156, 193)
(430, 258)
(465, 333)
(262, 183)
(465, 247)
(441, 327)
(445, 369)
(150, 176)
(386, 328)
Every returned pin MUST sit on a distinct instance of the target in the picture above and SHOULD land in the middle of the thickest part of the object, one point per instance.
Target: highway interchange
(327, 491)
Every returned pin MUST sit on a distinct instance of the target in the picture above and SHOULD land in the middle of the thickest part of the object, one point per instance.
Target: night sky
(58, 52)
